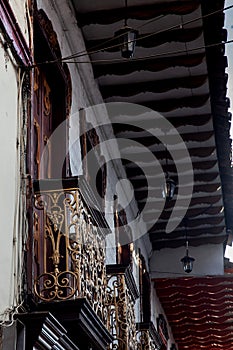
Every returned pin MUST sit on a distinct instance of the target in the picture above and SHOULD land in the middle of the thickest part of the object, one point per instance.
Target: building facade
(79, 256)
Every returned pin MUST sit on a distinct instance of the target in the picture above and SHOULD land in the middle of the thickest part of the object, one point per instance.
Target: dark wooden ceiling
(173, 73)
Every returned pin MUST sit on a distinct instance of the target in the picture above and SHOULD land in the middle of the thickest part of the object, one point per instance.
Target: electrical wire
(144, 58)
(7, 317)
(18, 224)
(180, 25)
(86, 53)
(23, 222)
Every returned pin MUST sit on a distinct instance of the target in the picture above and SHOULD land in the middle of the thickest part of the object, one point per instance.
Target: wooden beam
(149, 217)
(152, 65)
(173, 243)
(193, 120)
(156, 236)
(147, 40)
(145, 12)
(171, 168)
(171, 139)
(201, 152)
(211, 200)
(156, 86)
(175, 103)
(207, 189)
(205, 177)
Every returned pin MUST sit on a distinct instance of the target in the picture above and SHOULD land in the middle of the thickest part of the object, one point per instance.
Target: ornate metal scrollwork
(147, 337)
(145, 341)
(121, 314)
(72, 262)
(56, 286)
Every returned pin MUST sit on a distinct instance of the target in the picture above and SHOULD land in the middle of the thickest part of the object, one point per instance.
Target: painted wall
(9, 175)
(21, 13)
(208, 261)
(157, 309)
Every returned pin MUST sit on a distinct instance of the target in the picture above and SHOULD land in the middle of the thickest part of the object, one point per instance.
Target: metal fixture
(169, 185)
(127, 37)
(187, 260)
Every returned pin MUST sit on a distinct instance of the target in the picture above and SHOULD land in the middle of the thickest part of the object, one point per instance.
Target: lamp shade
(127, 37)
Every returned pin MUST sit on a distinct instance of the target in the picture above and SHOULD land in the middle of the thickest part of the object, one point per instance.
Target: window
(51, 102)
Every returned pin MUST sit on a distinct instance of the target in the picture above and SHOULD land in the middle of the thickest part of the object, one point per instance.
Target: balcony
(94, 302)
(122, 293)
(70, 278)
(147, 337)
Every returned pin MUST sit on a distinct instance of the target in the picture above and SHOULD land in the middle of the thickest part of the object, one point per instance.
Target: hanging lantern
(127, 39)
(187, 261)
(169, 189)
(169, 185)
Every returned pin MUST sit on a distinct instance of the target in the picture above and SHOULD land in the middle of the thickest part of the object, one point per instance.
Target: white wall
(9, 174)
(157, 309)
(20, 10)
(208, 261)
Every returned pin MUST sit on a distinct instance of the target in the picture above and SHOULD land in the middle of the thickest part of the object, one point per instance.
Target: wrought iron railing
(147, 337)
(69, 250)
(122, 293)
(69, 246)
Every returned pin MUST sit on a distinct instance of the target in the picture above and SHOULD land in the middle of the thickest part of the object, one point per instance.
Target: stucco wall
(20, 9)
(9, 175)
(208, 261)
(157, 309)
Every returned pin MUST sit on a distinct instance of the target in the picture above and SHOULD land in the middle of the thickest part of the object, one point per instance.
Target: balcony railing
(69, 251)
(69, 245)
(147, 337)
(122, 293)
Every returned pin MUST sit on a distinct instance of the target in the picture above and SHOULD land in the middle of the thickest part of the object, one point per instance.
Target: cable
(180, 25)
(8, 315)
(165, 54)
(85, 53)
(201, 212)
(22, 219)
